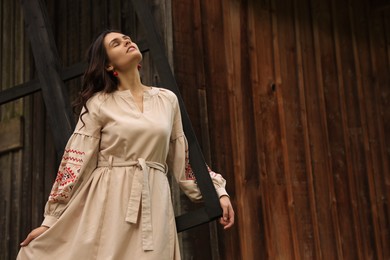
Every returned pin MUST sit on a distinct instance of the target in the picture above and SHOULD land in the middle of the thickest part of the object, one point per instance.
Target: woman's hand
(34, 234)
(227, 219)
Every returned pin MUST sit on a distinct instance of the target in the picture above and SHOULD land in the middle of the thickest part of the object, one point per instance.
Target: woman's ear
(109, 68)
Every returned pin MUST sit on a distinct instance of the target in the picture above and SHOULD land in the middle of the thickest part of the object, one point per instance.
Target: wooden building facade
(290, 102)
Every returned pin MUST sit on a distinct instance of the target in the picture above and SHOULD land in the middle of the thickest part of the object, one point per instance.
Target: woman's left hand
(227, 219)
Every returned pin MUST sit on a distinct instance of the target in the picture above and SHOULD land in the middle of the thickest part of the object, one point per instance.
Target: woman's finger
(34, 234)
(230, 219)
(27, 240)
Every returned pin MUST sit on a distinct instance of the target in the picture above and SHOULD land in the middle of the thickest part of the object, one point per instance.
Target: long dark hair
(96, 78)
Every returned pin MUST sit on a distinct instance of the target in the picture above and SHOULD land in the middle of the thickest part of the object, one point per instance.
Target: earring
(139, 66)
(115, 74)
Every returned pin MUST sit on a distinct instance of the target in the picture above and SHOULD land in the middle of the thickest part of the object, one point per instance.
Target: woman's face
(123, 54)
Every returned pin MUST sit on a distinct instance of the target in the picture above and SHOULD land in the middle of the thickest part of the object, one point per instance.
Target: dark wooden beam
(32, 86)
(48, 68)
(212, 208)
(19, 91)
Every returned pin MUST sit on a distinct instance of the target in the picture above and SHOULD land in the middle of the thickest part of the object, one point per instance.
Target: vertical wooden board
(38, 143)
(85, 27)
(50, 165)
(196, 34)
(6, 195)
(25, 184)
(380, 79)
(16, 213)
(72, 19)
(240, 105)
(7, 55)
(319, 137)
(383, 99)
(60, 29)
(262, 37)
(351, 126)
(330, 111)
(19, 55)
(99, 16)
(315, 147)
(358, 135)
(361, 27)
(186, 26)
(214, 239)
(214, 68)
(114, 14)
(185, 17)
(291, 126)
(128, 19)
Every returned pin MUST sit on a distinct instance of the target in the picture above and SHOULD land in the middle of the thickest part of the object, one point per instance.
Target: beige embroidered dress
(111, 198)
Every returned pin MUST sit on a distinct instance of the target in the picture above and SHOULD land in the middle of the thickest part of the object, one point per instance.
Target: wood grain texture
(11, 132)
(318, 91)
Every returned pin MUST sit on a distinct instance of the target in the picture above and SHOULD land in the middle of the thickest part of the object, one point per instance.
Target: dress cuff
(49, 221)
(222, 192)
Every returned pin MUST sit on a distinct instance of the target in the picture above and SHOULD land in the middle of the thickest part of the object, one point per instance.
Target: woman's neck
(130, 81)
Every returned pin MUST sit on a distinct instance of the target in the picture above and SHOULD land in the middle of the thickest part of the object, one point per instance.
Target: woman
(111, 198)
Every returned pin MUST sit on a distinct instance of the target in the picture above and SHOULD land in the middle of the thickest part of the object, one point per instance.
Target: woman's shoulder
(168, 94)
(96, 100)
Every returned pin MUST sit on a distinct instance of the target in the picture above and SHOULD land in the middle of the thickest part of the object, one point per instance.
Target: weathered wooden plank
(189, 73)
(380, 78)
(287, 106)
(310, 246)
(358, 19)
(204, 122)
(11, 132)
(99, 16)
(349, 231)
(17, 167)
(29, 152)
(47, 63)
(7, 58)
(114, 14)
(321, 139)
(38, 195)
(28, 117)
(85, 27)
(6, 195)
(242, 129)
(16, 211)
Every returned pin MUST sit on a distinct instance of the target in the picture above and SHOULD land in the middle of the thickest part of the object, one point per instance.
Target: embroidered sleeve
(218, 181)
(67, 176)
(77, 164)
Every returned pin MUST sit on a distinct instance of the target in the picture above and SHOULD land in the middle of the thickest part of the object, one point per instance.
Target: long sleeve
(78, 162)
(178, 162)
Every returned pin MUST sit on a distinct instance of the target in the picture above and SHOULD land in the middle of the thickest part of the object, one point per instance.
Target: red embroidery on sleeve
(188, 170)
(67, 175)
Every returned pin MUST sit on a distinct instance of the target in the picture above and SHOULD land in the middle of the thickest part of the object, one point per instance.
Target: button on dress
(111, 198)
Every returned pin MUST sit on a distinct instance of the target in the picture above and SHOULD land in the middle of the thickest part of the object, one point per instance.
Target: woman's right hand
(34, 234)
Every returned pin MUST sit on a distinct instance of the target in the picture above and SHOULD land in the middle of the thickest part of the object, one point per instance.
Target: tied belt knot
(139, 194)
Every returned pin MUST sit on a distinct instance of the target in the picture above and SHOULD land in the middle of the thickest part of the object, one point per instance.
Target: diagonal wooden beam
(212, 209)
(48, 67)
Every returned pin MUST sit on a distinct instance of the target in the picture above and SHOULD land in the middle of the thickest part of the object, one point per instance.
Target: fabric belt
(139, 194)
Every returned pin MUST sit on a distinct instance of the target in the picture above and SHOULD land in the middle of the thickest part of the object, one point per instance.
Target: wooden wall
(297, 96)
